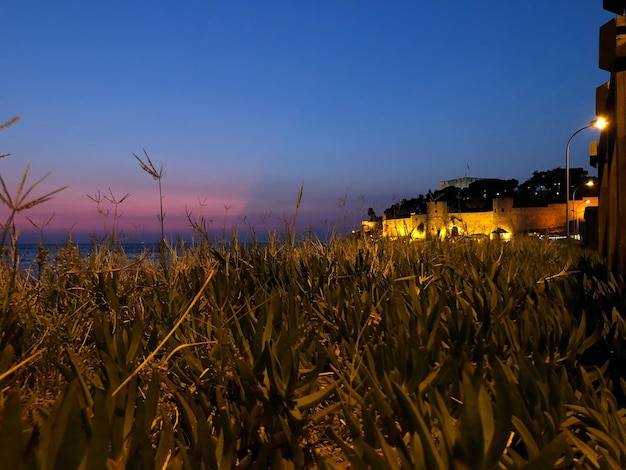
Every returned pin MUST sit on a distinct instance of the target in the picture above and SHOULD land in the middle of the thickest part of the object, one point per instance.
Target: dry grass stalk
(10, 122)
(19, 202)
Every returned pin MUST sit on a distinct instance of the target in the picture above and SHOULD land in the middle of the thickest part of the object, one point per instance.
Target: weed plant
(302, 354)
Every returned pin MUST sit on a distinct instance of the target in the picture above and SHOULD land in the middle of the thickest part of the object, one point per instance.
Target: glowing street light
(599, 123)
(589, 184)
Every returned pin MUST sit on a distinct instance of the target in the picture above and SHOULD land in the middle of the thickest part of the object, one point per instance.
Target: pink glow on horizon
(73, 212)
(137, 213)
(251, 202)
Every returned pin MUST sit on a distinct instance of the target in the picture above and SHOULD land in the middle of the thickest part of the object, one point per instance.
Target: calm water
(28, 251)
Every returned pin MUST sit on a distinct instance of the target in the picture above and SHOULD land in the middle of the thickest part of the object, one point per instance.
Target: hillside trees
(541, 189)
(406, 207)
(480, 194)
(546, 187)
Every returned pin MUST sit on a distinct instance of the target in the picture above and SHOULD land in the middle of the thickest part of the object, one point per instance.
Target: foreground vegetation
(445, 354)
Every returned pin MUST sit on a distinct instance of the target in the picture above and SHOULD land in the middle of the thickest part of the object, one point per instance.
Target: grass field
(301, 354)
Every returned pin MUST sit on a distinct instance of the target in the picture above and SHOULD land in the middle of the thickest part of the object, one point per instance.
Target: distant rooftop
(461, 183)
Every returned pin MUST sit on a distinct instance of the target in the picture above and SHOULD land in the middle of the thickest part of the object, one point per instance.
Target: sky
(242, 103)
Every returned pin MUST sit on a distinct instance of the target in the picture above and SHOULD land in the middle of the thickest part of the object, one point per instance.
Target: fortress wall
(368, 226)
(524, 219)
(471, 223)
(438, 219)
(438, 222)
(414, 227)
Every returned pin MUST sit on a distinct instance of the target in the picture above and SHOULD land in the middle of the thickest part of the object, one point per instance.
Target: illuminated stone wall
(414, 227)
(504, 220)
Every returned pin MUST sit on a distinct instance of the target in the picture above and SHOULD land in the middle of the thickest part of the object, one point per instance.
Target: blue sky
(242, 102)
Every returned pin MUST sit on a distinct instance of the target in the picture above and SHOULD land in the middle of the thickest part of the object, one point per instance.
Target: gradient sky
(242, 102)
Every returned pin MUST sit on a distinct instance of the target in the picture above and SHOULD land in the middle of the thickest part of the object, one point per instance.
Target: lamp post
(588, 183)
(599, 123)
(588, 201)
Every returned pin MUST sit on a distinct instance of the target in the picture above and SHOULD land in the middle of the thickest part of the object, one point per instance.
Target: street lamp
(577, 236)
(589, 184)
(599, 123)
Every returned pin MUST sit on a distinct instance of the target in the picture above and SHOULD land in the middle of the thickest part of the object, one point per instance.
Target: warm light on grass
(292, 353)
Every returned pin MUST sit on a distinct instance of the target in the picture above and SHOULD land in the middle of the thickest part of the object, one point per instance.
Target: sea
(27, 252)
